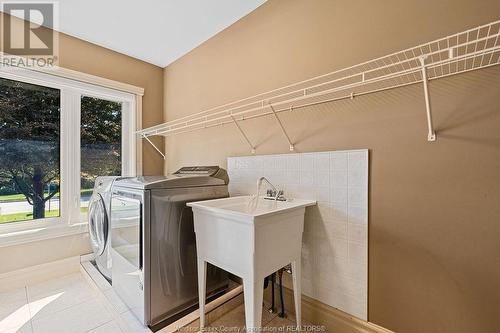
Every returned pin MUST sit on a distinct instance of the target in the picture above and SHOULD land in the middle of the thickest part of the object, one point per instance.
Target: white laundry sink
(239, 206)
(250, 242)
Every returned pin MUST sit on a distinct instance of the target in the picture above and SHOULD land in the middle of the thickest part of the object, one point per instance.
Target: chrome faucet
(273, 193)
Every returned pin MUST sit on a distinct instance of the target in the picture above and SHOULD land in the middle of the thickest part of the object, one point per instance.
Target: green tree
(30, 135)
(100, 139)
(29, 140)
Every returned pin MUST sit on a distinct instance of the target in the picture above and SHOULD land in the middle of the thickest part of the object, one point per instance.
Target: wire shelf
(459, 53)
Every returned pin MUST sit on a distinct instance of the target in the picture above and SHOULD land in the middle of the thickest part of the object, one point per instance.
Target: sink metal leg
(202, 285)
(273, 281)
(253, 294)
(297, 292)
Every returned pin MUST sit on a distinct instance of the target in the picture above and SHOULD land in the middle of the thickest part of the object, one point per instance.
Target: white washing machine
(99, 223)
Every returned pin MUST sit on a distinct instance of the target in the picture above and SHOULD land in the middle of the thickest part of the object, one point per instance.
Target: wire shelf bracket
(290, 144)
(155, 147)
(466, 51)
(431, 135)
(244, 135)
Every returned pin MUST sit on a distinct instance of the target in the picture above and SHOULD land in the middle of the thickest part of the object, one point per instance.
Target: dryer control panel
(198, 170)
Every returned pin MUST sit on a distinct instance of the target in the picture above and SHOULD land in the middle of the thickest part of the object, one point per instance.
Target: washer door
(98, 224)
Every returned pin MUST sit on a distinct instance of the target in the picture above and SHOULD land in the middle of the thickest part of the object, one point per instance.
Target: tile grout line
(101, 297)
(62, 309)
(29, 308)
(109, 321)
(67, 307)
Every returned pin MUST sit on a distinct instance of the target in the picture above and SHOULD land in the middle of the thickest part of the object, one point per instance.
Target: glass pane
(101, 131)
(126, 221)
(29, 151)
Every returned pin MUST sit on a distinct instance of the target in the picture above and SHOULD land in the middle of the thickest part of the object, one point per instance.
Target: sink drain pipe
(273, 281)
(280, 287)
(280, 278)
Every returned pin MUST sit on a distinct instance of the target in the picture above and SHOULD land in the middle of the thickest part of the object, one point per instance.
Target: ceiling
(156, 31)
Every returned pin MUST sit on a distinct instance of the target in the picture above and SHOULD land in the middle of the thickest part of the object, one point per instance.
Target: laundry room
(249, 165)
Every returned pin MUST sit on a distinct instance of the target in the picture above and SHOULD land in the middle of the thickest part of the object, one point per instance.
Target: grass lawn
(29, 216)
(11, 197)
(17, 197)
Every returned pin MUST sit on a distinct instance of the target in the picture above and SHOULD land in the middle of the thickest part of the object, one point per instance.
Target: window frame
(71, 92)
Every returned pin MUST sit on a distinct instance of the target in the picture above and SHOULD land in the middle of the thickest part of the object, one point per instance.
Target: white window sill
(41, 233)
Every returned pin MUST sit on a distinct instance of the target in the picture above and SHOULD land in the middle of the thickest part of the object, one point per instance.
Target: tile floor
(65, 304)
(70, 304)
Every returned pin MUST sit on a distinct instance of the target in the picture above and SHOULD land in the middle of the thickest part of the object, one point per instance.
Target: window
(56, 136)
(101, 144)
(29, 151)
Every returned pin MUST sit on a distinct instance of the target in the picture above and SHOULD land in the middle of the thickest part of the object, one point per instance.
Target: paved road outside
(24, 206)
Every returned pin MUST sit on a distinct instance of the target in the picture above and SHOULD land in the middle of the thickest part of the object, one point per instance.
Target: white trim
(58, 82)
(34, 234)
(129, 142)
(70, 157)
(13, 227)
(71, 93)
(92, 79)
(138, 145)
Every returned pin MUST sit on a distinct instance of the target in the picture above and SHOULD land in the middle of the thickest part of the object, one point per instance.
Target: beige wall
(85, 57)
(434, 212)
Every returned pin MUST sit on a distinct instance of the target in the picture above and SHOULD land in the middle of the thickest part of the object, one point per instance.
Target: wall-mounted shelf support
(243, 134)
(463, 52)
(431, 135)
(154, 146)
(290, 144)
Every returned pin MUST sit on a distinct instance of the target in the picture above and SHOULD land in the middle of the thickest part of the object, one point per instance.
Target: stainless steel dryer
(153, 242)
(99, 224)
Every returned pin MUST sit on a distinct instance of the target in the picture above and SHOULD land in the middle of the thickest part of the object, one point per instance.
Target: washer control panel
(198, 170)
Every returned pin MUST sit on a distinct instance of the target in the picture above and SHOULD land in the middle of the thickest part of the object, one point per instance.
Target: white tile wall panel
(335, 241)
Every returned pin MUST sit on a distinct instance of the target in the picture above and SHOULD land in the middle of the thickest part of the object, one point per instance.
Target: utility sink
(251, 239)
(241, 206)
